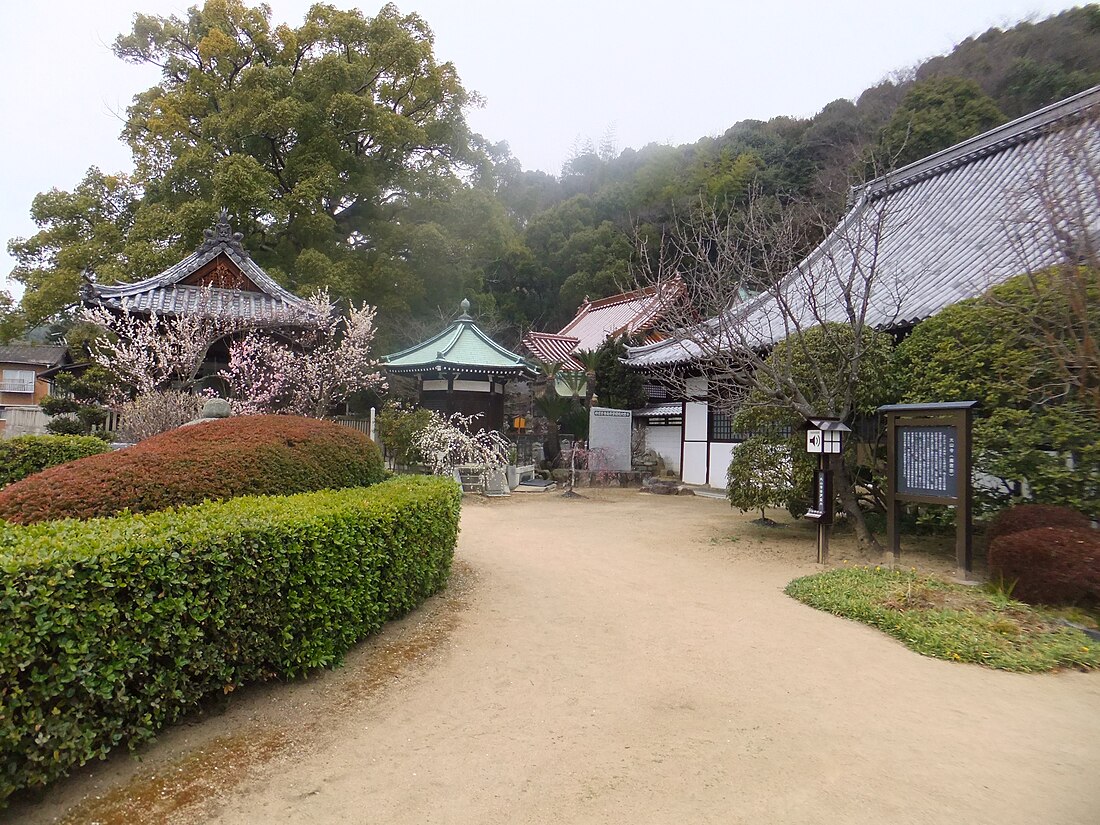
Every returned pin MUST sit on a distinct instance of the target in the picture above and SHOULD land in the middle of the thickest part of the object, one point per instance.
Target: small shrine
(218, 279)
(461, 370)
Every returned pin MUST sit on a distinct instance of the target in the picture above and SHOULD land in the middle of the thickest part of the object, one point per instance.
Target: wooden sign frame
(959, 417)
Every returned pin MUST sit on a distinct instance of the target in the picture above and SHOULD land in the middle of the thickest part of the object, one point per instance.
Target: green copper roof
(461, 347)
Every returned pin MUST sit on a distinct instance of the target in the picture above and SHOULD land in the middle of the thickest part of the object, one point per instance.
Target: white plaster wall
(697, 387)
(695, 463)
(472, 386)
(720, 456)
(695, 421)
(665, 441)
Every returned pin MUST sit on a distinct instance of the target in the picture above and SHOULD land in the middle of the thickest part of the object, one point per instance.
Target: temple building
(461, 370)
(218, 278)
(1018, 198)
(634, 315)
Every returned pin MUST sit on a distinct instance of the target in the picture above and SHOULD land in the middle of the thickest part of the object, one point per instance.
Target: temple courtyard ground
(621, 658)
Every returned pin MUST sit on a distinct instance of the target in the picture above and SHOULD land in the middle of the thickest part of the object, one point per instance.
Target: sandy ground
(624, 659)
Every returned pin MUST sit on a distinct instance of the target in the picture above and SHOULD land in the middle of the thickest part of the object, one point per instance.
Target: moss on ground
(950, 621)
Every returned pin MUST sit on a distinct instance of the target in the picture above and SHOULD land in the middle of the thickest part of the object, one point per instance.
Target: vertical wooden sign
(928, 461)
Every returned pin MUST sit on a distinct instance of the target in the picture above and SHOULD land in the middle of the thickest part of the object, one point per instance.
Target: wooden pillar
(893, 538)
(964, 534)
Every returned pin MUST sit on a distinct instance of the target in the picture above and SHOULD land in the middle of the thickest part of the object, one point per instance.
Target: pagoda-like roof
(463, 347)
(218, 278)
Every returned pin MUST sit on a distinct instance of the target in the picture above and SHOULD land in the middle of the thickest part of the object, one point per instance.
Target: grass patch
(950, 621)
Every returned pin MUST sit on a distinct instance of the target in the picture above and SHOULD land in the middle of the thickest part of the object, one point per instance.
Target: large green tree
(1027, 351)
(936, 114)
(317, 138)
(87, 228)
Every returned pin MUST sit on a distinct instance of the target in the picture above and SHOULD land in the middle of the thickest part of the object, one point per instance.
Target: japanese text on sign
(926, 461)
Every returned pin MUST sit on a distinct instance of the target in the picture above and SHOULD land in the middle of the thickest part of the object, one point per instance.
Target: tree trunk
(552, 447)
(866, 543)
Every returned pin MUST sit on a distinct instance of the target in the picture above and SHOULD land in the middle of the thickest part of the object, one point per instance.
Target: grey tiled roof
(31, 354)
(165, 295)
(956, 223)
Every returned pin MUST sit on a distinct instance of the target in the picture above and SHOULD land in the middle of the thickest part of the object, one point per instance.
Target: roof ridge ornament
(222, 233)
(87, 283)
(465, 306)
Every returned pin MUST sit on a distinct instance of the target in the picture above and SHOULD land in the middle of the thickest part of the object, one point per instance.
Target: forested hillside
(341, 149)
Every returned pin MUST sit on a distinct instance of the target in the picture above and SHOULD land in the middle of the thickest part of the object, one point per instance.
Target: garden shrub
(398, 428)
(249, 455)
(1006, 350)
(1031, 516)
(1049, 565)
(154, 413)
(765, 472)
(111, 629)
(25, 455)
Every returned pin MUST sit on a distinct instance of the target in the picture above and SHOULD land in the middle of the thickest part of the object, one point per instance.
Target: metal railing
(17, 386)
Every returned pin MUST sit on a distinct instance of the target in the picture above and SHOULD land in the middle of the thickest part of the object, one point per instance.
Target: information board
(927, 461)
(609, 434)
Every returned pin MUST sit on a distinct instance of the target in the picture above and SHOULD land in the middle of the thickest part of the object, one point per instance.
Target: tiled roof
(629, 313)
(956, 223)
(461, 348)
(36, 354)
(166, 295)
(659, 411)
(553, 349)
(625, 314)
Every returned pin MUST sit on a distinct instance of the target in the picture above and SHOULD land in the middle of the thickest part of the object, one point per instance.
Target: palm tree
(552, 407)
(590, 360)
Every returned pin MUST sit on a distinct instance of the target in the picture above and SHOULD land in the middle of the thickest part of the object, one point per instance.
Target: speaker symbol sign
(823, 441)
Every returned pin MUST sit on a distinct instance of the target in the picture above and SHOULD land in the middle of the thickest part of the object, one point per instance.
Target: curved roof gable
(628, 313)
(236, 285)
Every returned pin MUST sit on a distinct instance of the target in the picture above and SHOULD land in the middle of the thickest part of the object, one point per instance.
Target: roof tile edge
(1009, 134)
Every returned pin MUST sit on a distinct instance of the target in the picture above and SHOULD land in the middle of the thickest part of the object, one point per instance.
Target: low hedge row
(247, 455)
(1022, 517)
(25, 455)
(111, 629)
(1049, 565)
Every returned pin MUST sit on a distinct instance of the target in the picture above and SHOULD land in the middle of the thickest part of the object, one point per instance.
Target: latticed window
(721, 429)
(721, 426)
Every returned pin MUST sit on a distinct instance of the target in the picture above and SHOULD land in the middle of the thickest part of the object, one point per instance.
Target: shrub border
(111, 629)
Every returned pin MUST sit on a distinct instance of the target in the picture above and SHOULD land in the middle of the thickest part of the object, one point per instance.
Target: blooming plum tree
(301, 363)
(150, 353)
(447, 441)
(307, 370)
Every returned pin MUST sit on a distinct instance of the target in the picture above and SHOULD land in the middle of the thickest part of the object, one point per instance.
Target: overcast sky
(668, 72)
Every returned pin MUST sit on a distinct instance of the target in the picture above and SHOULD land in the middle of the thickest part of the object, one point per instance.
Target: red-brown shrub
(1049, 565)
(1031, 516)
(219, 459)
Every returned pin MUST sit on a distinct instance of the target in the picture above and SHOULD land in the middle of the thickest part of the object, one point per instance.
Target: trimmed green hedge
(25, 455)
(111, 629)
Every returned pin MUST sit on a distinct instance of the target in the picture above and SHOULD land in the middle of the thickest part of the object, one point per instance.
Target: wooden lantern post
(825, 437)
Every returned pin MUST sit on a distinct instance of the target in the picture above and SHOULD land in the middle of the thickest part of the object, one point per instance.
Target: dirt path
(622, 659)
